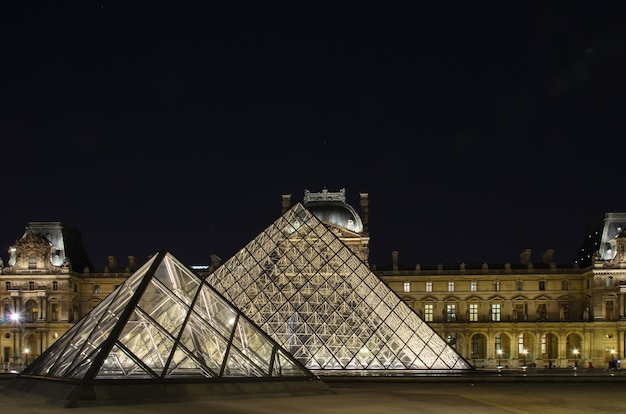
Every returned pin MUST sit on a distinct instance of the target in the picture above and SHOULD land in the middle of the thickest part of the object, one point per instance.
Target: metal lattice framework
(312, 294)
(164, 322)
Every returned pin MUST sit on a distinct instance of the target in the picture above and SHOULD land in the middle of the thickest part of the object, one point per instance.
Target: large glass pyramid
(302, 285)
(164, 323)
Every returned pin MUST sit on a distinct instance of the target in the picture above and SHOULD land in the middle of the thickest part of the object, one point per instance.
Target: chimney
(524, 257)
(132, 263)
(365, 211)
(394, 260)
(286, 202)
(112, 263)
(548, 257)
(215, 262)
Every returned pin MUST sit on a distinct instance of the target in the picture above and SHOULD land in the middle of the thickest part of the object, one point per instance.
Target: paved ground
(388, 398)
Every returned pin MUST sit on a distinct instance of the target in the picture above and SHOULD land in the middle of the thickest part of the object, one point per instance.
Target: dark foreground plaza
(583, 395)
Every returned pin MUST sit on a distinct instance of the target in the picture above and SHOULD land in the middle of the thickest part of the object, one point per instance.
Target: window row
(474, 286)
(31, 286)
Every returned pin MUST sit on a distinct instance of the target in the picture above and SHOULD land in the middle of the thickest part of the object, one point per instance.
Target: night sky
(478, 130)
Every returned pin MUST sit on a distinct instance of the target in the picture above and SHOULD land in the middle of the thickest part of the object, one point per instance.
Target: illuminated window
(450, 286)
(498, 342)
(6, 312)
(96, 289)
(520, 344)
(473, 312)
(407, 286)
(495, 312)
(429, 286)
(450, 313)
(473, 286)
(428, 312)
(564, 285)
(496, 286)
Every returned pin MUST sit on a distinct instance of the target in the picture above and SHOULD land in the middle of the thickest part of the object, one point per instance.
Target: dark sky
(478, 129)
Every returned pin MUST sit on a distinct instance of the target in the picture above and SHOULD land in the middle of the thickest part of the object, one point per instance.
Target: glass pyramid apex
(304, 287)
(164, 322)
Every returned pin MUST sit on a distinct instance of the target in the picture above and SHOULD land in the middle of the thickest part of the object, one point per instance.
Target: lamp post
(16, 319)
(499, 358)
(612, 358)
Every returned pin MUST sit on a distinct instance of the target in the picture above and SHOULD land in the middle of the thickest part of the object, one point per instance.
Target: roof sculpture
(312, 294)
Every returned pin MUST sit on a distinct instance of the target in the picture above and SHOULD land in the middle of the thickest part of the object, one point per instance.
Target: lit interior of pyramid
(317, 299)
(165, 322)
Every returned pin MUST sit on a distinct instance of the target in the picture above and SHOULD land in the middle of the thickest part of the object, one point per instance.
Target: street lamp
(576, 352)
(16, 319)
(499, 358)
(612, 358)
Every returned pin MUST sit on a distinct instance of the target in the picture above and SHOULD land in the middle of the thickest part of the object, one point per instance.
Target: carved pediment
(31, 252)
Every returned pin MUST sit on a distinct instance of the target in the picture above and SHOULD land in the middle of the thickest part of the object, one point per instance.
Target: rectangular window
(6, 312)
(32, 262)
(407, 286)
(520, 285)
(495, 312)
(450, 286)
(609, 310)
(542, 313)
(520, 344)
(55, 312)
(428, 312)
(473, 286)
(564, 285)
(519, 312)
(542, 285)
(496, 286)
(450, 313)
(96, 289)
(55, 285)
(31, 285)
(7, 285)
(498, 343)
(429, 286)
(473, 312)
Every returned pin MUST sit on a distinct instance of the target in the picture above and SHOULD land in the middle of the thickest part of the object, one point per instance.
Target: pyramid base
(71, 394)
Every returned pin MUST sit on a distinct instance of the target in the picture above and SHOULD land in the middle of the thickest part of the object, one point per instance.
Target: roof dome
(332, 208)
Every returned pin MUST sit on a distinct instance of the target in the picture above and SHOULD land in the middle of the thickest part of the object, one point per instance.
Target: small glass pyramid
(303, 286)
(164, 322)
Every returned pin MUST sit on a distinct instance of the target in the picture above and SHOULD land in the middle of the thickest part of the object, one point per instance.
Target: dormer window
(32, 262)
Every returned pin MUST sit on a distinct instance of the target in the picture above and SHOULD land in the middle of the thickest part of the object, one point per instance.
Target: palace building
(529, 313)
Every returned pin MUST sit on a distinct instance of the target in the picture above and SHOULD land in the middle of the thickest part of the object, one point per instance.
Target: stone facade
(511, 315)
(40, 301)
(537, 314)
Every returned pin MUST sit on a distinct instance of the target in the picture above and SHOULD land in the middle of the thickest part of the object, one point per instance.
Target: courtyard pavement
(604, 394)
